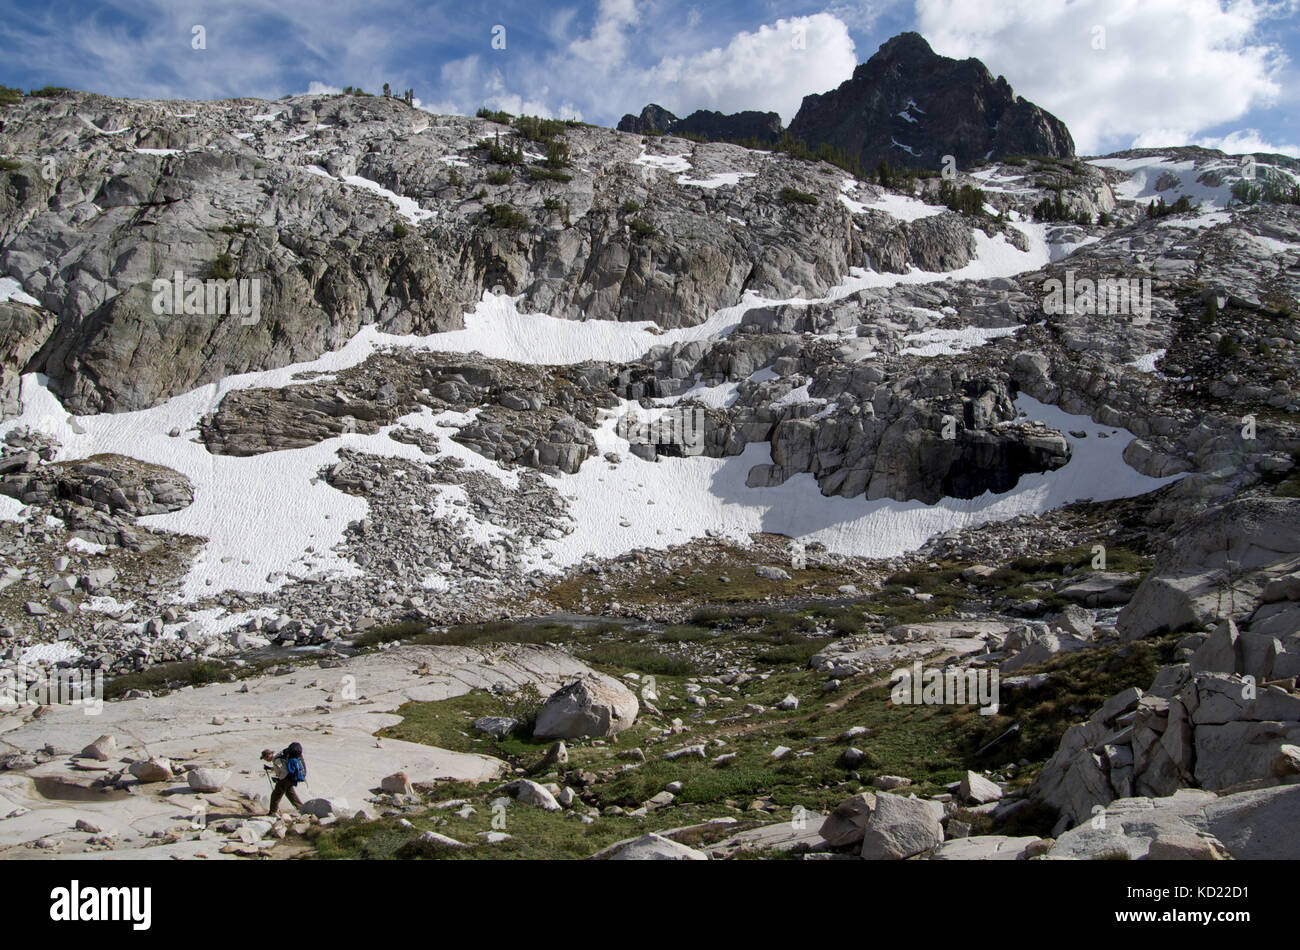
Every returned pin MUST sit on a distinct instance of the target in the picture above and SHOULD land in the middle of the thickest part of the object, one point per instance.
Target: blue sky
(1119, 72)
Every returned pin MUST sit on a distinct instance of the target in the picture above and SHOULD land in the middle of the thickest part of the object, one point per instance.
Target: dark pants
(282, 788)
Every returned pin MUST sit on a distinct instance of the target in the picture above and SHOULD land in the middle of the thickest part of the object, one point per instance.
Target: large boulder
(1217, 567)
(975, 789)
(1127, 827)
(1192, 824)
(207, 780)
(101, 749)
(847, 822)
(151, 770)
(900, 828)
(594, 705)
(650, 847)
(528, 792)
(1102, 589)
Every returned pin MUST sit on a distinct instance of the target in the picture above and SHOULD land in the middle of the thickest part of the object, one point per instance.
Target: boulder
(1255, 540)
(1258, 824)
(207, 780)
(326, 807)
(396, 784)
(595, 705)
(151, 770)
(1286, 587)
(847, 822)
(1041, 649)
(975, 789)
(102, 749)
(900, 828)
(1101, 589)
(528, 792)
(1183, 847)
(498, 727)
(1127, 827)
(650, 847)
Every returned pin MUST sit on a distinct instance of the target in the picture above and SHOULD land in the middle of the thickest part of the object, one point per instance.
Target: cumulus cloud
(770, 69)
(1244, 141)
(598, 73)
(1120, 72)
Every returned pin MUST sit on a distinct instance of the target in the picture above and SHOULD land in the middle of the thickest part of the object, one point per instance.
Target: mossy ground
(932, 745)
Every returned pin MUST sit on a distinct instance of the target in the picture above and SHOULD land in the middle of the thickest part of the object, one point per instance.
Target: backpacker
(294, 763)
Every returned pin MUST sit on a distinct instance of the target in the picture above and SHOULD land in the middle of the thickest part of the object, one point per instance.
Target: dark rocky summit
(909, 106)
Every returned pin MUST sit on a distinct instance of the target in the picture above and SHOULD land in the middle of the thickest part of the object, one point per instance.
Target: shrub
(504, 216)
(1158, 208)
(792, 195)
(10, 96)
(1229, 347)
(494, 115)
(629, 207)
(1052, 209)
(523, 705)
(1268, 188)
(642, 229)
(49, 92)
(536, 129)
(400, 230)
(500, 176)
(7, 165)
(503, 154)
(557, 154)
(964, 200)
(900, 179)
(223, 268)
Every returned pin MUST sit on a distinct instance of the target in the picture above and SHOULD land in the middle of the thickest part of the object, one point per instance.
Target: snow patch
(10, 289)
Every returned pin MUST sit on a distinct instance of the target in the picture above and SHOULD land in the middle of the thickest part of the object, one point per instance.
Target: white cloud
(1243, 141)
(771, 69)
(1168, 67)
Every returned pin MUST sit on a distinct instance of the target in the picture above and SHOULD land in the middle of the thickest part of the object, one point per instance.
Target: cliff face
(909, 106)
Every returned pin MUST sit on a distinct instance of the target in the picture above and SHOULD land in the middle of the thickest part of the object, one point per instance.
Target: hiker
(286, 770)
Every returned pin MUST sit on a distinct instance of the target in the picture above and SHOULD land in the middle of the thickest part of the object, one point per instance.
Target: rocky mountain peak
(909, 106)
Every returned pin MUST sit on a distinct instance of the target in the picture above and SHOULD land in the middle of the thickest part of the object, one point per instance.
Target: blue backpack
(294, 763)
